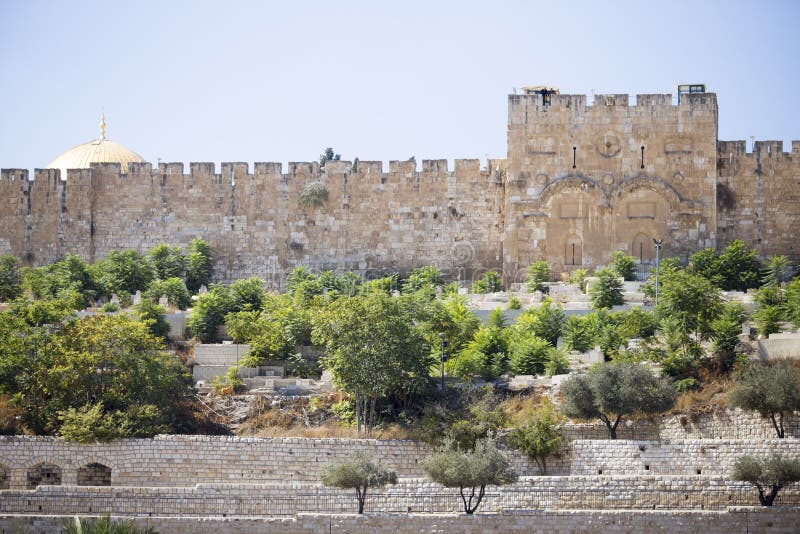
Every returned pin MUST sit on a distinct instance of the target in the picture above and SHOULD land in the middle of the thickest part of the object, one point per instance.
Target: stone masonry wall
(759, 196)
(678, 457)
(418, 496)
(191, 460)
(372, 221)
(773, 521)
(575, 187)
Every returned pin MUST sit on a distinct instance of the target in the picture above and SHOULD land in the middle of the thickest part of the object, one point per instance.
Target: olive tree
(769, 475)
(360, 471)
(773, 390)
(470, 470)
(611, 391)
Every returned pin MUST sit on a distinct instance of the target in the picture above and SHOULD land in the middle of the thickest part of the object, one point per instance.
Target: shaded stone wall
(759, 196)
(777, 520)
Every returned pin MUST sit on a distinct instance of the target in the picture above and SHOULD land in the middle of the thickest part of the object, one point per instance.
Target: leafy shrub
(110, 307)
(538, 274)
(623, 265)
(490, 282)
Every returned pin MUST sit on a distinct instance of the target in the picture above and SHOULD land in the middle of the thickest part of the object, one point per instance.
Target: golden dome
(98, 151)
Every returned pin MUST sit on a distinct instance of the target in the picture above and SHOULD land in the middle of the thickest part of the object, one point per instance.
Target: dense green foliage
(360, 471)
(623, 265)
(607, 290)
(98, 377)
(372, 351)
(167, 262)
(610, 391)
(539, 435)
(769, 475)
(470, 470)
(490, 282)
(735, 268)
(771, 389)
(199, 265)
(10, 278)
(538, 274)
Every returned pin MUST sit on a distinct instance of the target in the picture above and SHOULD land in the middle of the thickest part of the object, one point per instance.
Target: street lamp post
(657, 243)
(444, 344)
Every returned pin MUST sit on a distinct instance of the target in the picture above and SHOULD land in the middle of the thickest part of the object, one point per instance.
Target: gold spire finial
(103, 126)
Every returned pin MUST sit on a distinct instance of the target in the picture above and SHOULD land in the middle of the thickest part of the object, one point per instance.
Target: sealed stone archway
(43, 474)
(94, 474)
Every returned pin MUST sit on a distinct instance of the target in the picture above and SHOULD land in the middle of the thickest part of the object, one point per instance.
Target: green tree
(485, 419)
(153, 316)
(793, 302)
(773, 390)
(209, 312)
(607, 290)
(111, 360)
(611, 391)
(529, 354)
(327, 155)
(690, 298)
(538, 274)
(623, 265)
(10, 278)
(470, 471)
(423, 277)
(199, 265)
(768, 319)
(247, 294)
(769, 475)
(579, 333)
(490, 282)
(167, 262)
(372, 350)
(173, 288)
(360, 471)
(725, 331)
(539, 434)
(486, 355)
(777, 271)
(740, 267)
(545, 321)
(125, 271)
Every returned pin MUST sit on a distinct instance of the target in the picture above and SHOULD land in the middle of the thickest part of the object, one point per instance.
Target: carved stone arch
(647, 182)
(572, 181)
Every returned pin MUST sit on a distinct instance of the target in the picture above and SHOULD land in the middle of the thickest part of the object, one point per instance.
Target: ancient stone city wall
(576, 185)
(373, 221)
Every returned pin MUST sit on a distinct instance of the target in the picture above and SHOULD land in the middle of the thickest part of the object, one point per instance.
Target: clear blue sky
(279, 81)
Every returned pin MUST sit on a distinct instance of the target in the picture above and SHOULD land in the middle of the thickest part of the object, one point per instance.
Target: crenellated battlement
(603, 102)
(655, 160)
(232, 171)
